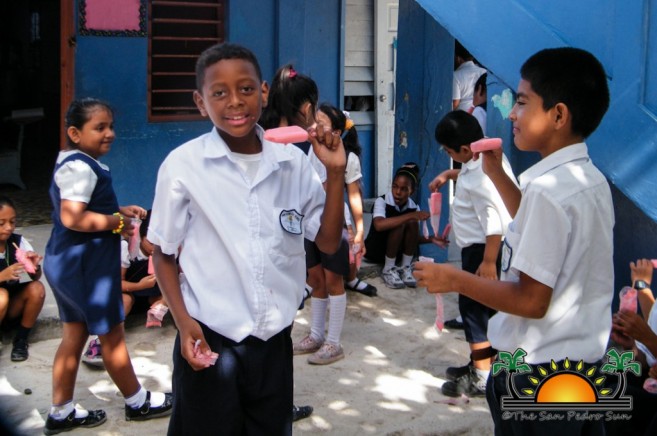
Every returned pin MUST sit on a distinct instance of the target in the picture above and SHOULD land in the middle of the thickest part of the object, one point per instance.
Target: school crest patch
(291, 221)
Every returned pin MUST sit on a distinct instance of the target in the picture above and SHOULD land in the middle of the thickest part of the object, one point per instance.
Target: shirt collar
(567, 154)
(216, 147)
(471, 165)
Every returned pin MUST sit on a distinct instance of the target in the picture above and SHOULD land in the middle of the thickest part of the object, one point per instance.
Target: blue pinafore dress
(84, 268)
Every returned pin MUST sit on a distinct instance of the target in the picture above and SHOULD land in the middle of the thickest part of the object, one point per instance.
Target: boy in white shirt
(240, 207)
(554, 299)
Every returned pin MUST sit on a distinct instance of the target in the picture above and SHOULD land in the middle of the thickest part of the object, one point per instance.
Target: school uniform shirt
(8, 258)
(242, 243)
(353, 171)
(477, 209)
(463, 83)
(384, 201)
(652, 323)
(562, 237)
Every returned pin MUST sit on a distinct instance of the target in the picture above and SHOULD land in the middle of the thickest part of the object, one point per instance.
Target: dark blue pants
(247, 392)
(475, 315)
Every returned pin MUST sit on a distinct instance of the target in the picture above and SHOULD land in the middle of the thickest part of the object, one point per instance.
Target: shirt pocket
(509, 244)
(287, 233)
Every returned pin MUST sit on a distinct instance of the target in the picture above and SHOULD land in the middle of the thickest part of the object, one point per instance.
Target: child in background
(18, 300)
(395, 229)
(340, 122)
(136, 282)
(293, 100)
(554, 296)
(82, 265)
(479, 220)
(479, 101)
(243, 251)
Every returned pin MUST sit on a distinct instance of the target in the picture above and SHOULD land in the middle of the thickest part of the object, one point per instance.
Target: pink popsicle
(435, 204)
(22, 258)
(286, 135)
(628, 299)
(486, 144)
(151, 269)
(446, 231)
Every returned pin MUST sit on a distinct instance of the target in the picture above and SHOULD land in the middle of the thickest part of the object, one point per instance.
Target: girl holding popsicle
(82, 265)
(20, 300)
(293, 100)
(339, 121)
(395, 230)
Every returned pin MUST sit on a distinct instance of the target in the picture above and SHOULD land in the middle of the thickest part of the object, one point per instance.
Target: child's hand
(653, 371)
(148, 282)
(487, 270)
(436, 277)
(632, 325)
(133, 211)
(128, 228)
(190, 331)
(420, 215)
(328, 147)
(641, 270)
(624, 341)
(439, 241)
(492, 162)
(12, 272)
(438, 182)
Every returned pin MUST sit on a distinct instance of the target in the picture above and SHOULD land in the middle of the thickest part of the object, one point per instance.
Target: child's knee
(36, 292)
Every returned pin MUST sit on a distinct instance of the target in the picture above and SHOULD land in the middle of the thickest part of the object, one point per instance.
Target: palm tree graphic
(619, 364)
(512, 364)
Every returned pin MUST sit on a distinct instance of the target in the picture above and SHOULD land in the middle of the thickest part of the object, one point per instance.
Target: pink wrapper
(425, 229)
(440, 313)
(654, 263)
(628, 299)
(21, 257)
(650, 385)
(435, 205)
(446, 231)
(133, 242)
(211, 359)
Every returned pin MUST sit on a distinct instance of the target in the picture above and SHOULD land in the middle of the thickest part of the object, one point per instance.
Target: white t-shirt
(465, 77)
(242, 244)
(562, 237)
(477, 209)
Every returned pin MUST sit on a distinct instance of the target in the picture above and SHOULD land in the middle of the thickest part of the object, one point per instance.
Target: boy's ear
(200, 104)
(561, 115)
(264, 90)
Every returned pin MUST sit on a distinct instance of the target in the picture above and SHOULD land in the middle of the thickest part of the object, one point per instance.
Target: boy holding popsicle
(554, 299)
(240, 206)
(479, 220)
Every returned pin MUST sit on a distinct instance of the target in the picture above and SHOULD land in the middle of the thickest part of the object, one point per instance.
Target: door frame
(66, 62)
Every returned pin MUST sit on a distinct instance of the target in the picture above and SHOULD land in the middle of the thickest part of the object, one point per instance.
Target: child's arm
(166, 271)
(75, 216)
(382, 224)
(443, 178)
(330, 151)
(356, 203)
(527, 297)
(488, 266)
(146, 282)
(642, 270)
(492, 167)
(633, 326)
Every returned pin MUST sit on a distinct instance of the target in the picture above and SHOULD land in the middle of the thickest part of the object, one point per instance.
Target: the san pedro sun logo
(571, 387)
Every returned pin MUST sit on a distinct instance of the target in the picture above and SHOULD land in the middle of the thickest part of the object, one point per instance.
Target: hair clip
(293, 73)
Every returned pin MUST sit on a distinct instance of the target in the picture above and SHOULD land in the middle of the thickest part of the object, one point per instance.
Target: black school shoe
(301, 412)
(454, 324)
(369, 290)
(466, 384)
(454, 373)
(147, 412)
(94, 419)
(19, 351)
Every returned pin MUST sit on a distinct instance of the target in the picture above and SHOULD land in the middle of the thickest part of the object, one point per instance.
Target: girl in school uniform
(82, 266)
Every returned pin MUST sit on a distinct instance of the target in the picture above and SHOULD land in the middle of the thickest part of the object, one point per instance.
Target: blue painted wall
(304, 32)
(623, 35)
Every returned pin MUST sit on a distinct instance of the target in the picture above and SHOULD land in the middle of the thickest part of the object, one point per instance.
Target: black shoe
(369, 290)
(466, 384)
(454, 373)
(19, 351)
(94, 419)
(301, 412)
(147, 412)
(454, 324)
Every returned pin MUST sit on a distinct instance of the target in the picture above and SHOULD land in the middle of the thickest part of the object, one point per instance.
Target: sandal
(369, 290)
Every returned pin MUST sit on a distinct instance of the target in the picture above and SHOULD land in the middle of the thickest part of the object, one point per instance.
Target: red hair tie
(293, 73)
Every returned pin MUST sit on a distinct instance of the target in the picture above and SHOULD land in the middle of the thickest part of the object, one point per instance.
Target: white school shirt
(353, 170)
(242, 245)
(463, 83)
(379, 209)
(477, 209)
(652, 323)
(562, 237)
(75, 179)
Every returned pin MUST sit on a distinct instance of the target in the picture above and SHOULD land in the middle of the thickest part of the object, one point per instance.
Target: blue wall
(623, 35)
(306, 33)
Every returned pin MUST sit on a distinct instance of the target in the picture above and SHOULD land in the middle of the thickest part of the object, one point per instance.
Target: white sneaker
(92, 355)
(391, 279)
(406, 274)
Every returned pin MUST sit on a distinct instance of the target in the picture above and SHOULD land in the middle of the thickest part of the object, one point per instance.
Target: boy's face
(533, 126)
(232, 97)
(463, 155)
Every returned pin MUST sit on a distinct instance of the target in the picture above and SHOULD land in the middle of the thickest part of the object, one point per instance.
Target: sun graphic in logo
(567, 385)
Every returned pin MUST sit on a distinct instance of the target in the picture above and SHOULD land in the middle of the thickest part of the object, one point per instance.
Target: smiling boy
(240, 207)
(554, 299)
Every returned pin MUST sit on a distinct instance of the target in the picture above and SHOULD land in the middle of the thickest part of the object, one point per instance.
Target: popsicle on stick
(435, 204)
(21, 256)
(486, 144)
(286, 135)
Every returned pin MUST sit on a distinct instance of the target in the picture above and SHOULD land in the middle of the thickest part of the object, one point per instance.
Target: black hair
(6, 201)
(410, 170)
(481, 83)
(219, 52)
(458, 128)
(288, 92)
(143, 227)
(79, 113)
(571, 76)
(462, 52)
(339, 122)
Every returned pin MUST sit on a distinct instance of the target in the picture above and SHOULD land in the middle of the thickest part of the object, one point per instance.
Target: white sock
(338, 307)
(389, 264)
(137, 400)
(459, 318)
(483, 377)
(61, 412)
(406, 260)
(355, 284)
(318, 321)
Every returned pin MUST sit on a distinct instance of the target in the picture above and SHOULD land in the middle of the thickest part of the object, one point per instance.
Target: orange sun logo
(566, 388)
